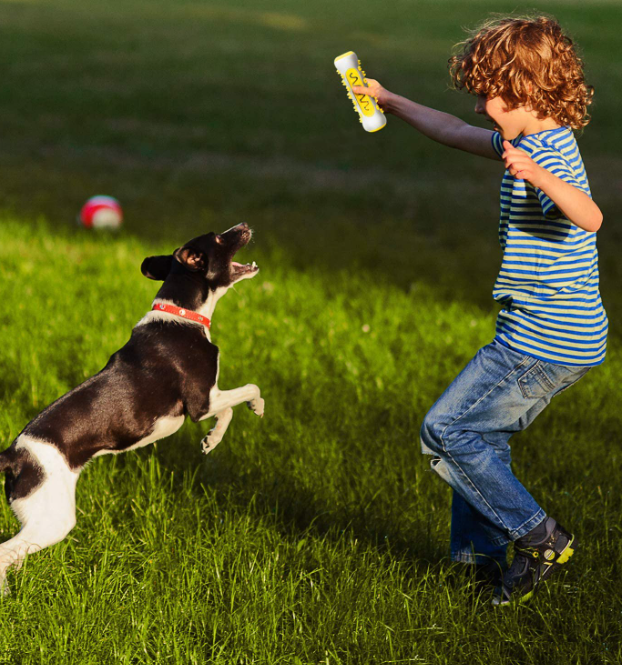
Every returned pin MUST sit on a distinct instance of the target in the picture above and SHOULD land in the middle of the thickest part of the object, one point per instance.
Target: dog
(167, 370)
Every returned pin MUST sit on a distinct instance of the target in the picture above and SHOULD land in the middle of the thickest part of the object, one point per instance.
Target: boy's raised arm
(436, 125)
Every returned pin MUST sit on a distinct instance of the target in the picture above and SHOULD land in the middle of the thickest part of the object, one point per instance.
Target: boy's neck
(540, 125)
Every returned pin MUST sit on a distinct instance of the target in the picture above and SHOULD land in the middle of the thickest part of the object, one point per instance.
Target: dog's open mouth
(239, 270)
(236, 238)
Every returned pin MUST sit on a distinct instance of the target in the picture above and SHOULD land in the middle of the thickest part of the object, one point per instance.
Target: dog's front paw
(210, 442)
(257, 406)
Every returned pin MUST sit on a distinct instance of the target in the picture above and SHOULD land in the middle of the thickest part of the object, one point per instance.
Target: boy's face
(508, 123)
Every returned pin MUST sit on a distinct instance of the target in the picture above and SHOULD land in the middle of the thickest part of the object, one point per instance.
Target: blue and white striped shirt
(548, 282)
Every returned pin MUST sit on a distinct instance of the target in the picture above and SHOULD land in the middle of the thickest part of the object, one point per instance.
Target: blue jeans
(467, 431)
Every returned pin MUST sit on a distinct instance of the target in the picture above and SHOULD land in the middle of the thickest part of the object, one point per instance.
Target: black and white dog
(168, 370)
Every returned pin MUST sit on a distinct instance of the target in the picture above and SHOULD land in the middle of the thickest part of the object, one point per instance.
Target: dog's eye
(219, 240)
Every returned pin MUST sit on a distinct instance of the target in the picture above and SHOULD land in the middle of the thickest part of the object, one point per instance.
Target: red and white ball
(101, 212)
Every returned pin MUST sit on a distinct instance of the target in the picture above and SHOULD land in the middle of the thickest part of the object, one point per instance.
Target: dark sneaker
(536, 556)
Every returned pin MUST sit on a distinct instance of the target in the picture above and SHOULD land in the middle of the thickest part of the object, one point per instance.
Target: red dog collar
(182, 313)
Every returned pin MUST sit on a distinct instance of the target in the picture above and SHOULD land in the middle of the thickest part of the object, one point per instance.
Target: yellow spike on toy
(370, 114)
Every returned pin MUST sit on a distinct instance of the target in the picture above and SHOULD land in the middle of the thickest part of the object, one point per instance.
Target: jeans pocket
(535, 383)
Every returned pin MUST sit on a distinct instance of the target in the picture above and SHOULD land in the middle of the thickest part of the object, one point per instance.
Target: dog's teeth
(254, 265)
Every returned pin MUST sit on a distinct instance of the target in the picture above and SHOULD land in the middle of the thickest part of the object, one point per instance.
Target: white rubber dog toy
(370, 114)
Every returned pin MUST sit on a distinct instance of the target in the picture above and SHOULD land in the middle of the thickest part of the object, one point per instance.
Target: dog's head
(208, 258)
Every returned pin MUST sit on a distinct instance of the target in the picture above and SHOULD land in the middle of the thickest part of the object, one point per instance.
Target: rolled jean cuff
(500, 541)
(426, 450)
(530, 524)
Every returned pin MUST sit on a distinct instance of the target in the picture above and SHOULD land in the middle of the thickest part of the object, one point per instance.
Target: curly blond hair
(527, 62)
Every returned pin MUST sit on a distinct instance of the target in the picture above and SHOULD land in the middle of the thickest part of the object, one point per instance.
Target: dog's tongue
(243, 266)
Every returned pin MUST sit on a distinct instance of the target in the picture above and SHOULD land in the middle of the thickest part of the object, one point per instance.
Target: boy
(552, 326)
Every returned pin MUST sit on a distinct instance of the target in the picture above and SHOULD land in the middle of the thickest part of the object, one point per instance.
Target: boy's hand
(521, 166)
(374, 89)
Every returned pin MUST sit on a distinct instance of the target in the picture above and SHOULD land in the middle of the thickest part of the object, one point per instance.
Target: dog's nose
(238, 228)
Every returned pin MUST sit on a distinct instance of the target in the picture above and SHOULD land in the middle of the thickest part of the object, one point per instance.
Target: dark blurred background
(197, 115)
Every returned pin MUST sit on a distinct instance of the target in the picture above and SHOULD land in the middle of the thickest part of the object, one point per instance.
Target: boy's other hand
(520, 165)
(374, 89)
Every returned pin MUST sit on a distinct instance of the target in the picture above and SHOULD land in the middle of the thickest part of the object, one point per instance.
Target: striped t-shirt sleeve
(551, 160)
(553, 163)
(497, 142)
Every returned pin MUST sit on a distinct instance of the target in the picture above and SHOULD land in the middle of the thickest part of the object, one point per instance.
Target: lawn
(318, 534)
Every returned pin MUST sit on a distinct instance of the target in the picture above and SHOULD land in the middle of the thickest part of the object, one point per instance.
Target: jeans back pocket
(535, 383)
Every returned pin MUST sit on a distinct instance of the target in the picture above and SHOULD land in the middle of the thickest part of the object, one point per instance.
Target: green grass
(315, 533)
(318, 534)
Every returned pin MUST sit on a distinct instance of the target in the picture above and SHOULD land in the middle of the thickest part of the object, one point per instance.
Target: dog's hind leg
(47, 510)
(32, 538)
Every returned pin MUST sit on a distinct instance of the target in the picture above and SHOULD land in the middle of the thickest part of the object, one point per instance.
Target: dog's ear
(191, 257)
(157, 267)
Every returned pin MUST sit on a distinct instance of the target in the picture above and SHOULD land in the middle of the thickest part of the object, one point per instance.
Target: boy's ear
(157, 267)
(191, 258)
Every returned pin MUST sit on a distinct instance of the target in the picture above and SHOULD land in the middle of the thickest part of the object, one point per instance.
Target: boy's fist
(373, 89)
(520, 165)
